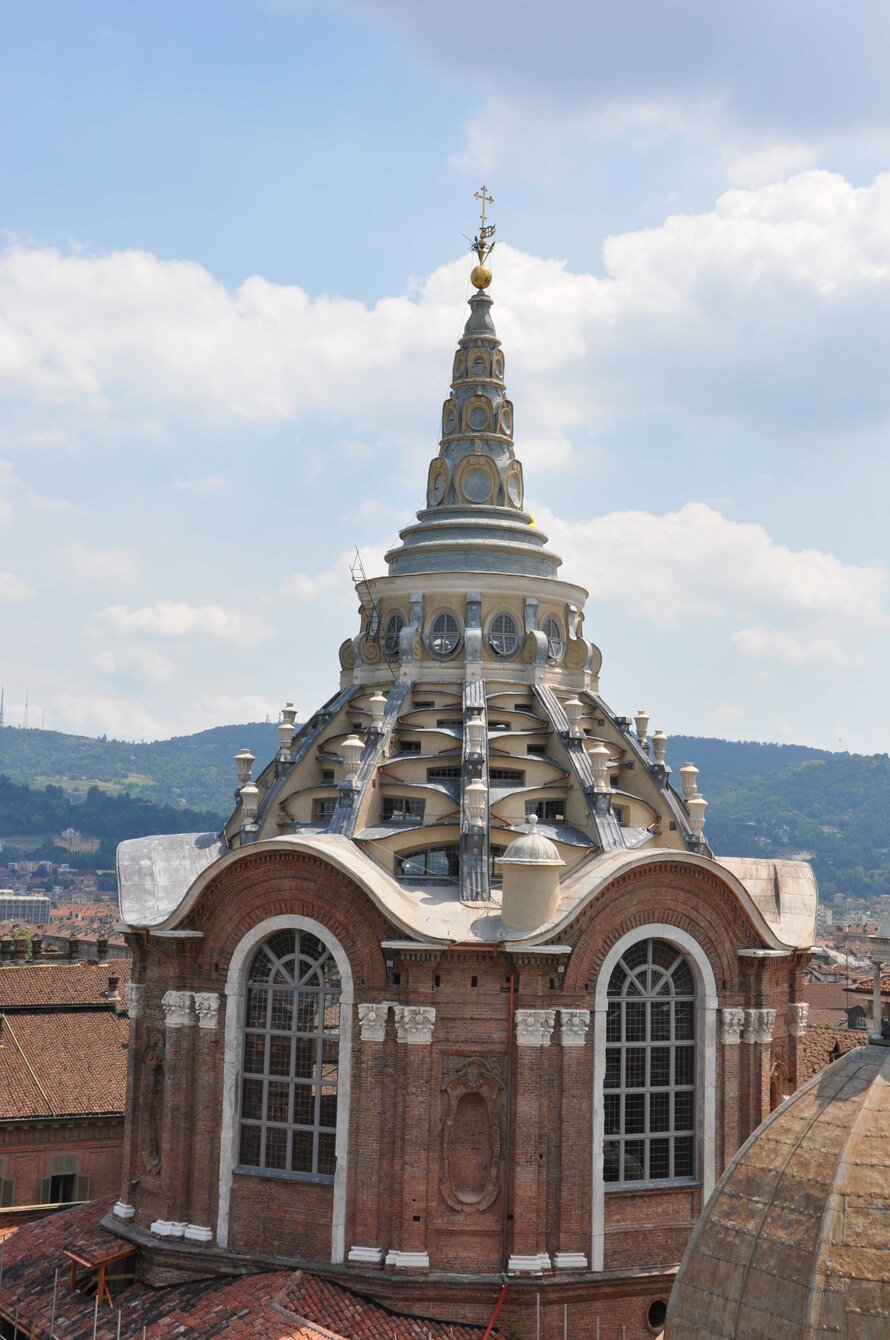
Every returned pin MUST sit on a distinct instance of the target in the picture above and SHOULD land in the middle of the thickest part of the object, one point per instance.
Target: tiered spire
(474, 514)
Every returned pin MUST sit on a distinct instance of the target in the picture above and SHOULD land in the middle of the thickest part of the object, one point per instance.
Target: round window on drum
(503, 635)
(556, 644)
(394, 625)
(444, 635)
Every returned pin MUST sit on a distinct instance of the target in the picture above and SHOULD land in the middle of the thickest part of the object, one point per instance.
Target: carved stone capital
(534, 1028)
(134, 995)
(372, 1022)
(414, 1023)
(732, 1020)
(759, 1026)
(798, 1013)
(179, 1009)
(575, 1024)
(207, 1008)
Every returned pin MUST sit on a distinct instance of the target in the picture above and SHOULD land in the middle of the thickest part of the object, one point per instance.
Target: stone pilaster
(179, 1019)
(134, 994)
(732, 1022)
(205, 1089)
(368, 1090)
(576, 1155)
(534, 1029)
(798, 1012)
(414, 1033)
(758, 1033)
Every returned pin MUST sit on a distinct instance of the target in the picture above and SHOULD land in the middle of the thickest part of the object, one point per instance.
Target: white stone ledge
(366, 1256)
(529, 1265)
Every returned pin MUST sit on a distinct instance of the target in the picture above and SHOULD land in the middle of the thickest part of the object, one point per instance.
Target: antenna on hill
(2, 697)
(25, 715)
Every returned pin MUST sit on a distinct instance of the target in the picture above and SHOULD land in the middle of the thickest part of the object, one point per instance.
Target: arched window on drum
(649, 1085)
(290, 1064)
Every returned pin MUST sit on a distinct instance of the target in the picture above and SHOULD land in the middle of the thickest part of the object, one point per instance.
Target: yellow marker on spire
(482, 243)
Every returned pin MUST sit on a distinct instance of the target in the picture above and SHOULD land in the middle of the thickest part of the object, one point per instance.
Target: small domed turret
(531, 867)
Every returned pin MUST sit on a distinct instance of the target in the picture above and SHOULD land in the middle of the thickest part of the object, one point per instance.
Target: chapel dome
(795, 1240)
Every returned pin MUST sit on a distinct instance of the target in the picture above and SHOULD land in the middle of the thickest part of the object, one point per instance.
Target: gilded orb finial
(482, 243)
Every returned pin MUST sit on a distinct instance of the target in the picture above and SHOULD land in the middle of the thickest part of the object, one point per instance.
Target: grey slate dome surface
(532, 848)
(794, 1244)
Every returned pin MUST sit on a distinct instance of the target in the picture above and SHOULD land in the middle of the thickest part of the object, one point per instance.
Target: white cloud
(692, 319)
(93, 714)
(209, 484)
(48, 504)
(176, 618)
(235, 708)
(771, 162)
(763, 644)
(727, 715)
(13, 588)
(697, 562)
(335, 581)
(146, 662)
(112, 565)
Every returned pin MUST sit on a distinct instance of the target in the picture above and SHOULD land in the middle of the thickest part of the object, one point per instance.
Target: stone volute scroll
(733, 1021)
(372, 1022)
(178, 1009)
(134, 995)
(472, 1138)
(574, 1027)
(414, 1023)
(534, 1028)
(759, 1026)
(207, 1009)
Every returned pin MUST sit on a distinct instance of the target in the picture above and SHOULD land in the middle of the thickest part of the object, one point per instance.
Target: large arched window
(649, 1085)
(291, 1058)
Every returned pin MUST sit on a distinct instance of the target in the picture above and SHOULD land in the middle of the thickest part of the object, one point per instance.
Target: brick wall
(534, 1113)
(27, 1151)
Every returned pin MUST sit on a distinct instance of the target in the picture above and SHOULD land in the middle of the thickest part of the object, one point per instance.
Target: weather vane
(482, 243)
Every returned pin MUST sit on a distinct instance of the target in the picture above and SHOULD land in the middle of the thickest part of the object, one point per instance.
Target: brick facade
(470, 1126)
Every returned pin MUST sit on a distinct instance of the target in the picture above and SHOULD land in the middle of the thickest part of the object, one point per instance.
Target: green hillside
(765, 799)
(191, 770)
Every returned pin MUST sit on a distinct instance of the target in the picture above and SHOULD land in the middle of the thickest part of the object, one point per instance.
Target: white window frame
(560, 638)
(517, 633)
(706, 1071)
(236, 982)
(445, 655)
(392, 653)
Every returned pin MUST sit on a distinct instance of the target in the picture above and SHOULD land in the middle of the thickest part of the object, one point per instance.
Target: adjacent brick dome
(795, 1241)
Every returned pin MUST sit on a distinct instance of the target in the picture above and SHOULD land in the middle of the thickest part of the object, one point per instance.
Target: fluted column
(367, 1158)
(179, 1019)
(134, 993)
(534, 1029)
(576, 1155)
(414, 1033)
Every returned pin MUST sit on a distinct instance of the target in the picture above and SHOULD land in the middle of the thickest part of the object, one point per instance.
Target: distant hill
(784, 800)
(764, 799)
(191, 770)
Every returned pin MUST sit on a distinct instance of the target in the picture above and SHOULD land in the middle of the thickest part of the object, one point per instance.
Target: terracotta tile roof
(26, 985)
(280, 1305)
(63, 1064)
(820, 1046)
(827, 995)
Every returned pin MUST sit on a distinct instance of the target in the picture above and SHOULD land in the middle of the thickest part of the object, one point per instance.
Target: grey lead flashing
(607, 828)
(474, 845)
(346, 810)
(305, 740)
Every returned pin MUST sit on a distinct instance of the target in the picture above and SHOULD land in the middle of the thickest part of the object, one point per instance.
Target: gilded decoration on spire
(482, 243)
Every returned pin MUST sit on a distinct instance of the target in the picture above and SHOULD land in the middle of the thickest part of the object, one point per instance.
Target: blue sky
(232, 272)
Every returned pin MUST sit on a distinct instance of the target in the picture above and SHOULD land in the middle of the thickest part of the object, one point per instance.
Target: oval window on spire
(478, 418)
(394, 625)
(556, 643)
(444, 635)
(503, 635)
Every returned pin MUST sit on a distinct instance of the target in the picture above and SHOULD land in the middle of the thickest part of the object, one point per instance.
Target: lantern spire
(482, 243)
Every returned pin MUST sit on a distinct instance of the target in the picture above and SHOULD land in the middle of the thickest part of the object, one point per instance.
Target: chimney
(73, 948)
(36, 947)
(113, 992)
(102, 947)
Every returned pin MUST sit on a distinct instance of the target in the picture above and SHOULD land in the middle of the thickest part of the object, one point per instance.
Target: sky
(233, 267)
